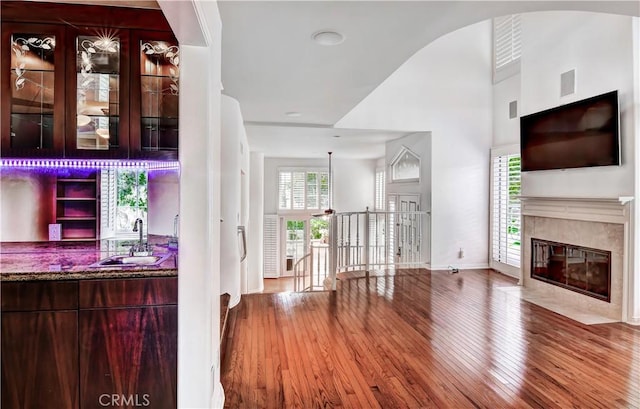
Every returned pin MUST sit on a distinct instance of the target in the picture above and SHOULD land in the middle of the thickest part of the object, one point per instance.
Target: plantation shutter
(312, 190)
(284, 190)
(380, 190)
(506, 209)
(507, 46)
(302, 189)
(298, 190)
(270, 246)
(324, 190)
(108, 200)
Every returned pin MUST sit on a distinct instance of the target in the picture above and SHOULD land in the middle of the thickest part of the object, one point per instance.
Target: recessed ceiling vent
(327, 37)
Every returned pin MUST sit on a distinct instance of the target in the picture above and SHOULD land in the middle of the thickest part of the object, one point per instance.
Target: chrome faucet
(141, 247)
(172, 243)
(175, 225)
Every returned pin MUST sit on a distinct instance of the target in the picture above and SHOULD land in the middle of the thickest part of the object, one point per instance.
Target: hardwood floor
(277, 285)
(423, 339)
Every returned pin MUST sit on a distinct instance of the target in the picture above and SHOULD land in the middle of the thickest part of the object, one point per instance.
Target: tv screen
(581, 134)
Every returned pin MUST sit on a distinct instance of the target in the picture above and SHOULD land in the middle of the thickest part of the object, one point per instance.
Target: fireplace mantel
(600, 209)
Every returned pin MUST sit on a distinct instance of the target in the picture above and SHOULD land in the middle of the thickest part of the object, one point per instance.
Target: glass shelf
(98, 94)
(159, 75)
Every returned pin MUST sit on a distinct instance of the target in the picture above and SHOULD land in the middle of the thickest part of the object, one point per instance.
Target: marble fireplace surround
(601, 223)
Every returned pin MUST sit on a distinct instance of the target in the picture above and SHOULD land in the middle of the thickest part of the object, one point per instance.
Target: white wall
(600, 48)
(255, 226)
(233, 135)
(27, 205)
(446, 89)
(197, 27)
(163, 192)
(353, 181)
(506, 131)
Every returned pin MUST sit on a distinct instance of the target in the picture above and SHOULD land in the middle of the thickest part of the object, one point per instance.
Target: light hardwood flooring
(277, 285)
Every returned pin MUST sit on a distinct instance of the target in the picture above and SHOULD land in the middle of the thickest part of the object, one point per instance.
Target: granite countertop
(26, 261)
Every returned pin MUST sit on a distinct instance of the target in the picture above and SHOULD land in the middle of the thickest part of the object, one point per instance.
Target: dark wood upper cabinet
(155, 73)
(33, 90)
(97, 85)
(83, 81)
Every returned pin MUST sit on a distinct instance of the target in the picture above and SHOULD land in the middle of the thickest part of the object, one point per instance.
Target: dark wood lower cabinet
(116, 348)
(129, 354)
(40, 360)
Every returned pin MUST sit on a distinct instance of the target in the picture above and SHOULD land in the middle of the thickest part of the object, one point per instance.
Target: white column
(255, 226)
(232, 127)
(198, 23)
(634, 281)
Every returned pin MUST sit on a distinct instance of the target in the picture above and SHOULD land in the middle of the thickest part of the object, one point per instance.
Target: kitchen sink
(125, 260)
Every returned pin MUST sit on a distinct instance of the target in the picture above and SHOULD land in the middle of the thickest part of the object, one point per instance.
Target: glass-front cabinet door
(97, 111)
(155, 92)
(32, 90)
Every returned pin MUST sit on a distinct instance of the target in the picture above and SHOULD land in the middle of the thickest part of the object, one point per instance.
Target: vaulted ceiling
(272, 66)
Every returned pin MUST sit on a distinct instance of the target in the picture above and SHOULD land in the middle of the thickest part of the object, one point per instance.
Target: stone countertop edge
(91, 274)
(38, 261)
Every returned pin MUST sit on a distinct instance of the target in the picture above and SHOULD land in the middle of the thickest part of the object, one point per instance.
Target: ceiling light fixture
(293, 114)
(327, 37)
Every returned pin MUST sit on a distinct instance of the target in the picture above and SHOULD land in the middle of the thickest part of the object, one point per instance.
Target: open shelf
(77, 206)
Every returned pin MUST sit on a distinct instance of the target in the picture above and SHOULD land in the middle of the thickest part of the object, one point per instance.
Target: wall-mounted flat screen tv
(581, 134)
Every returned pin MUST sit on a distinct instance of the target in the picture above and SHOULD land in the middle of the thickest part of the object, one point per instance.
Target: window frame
(404, 150)
(306, 208)
(109, 202)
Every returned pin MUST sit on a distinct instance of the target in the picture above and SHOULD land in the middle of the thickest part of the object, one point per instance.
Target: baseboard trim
(217, 399)
(234, 301)
(634, 321)
(459, 266)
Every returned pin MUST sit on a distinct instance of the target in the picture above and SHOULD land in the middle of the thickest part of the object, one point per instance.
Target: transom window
(405, 167)
(506, 46)
(303, 189)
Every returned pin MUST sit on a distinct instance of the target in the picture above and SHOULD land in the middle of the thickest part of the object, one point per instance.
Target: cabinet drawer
(39, 295)
(128, 292)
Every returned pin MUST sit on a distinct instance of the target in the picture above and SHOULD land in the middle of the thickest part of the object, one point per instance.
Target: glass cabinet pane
(98, 92)
(32, 90)
(160, 71)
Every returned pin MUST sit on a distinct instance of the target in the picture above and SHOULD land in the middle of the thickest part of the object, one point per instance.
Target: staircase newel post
(365, 253)
(333, 249)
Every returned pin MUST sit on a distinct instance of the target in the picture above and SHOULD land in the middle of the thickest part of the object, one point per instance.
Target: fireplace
(585, 267)
(581, 269)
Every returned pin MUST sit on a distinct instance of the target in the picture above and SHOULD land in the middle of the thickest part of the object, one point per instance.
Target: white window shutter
(380, 190)
(299, 190)
(312, 190)
(323, 181)
(284, 190)
(302, 189)
(506, 210)
(507, 46)
(270, 246)
(108, 200)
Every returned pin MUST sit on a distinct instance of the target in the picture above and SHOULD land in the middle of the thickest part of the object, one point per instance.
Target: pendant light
(330, 209)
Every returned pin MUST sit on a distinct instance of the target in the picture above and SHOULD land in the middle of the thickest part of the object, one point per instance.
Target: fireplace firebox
(581, 269)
